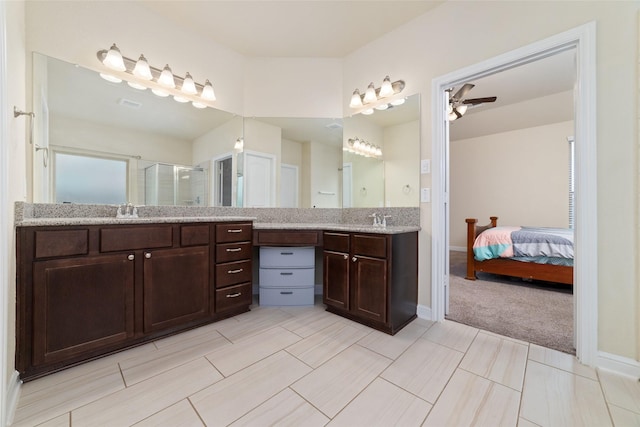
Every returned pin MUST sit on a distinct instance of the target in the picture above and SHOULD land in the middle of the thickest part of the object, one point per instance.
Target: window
(86, 179)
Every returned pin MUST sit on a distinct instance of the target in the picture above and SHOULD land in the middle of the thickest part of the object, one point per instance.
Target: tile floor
(303, 366)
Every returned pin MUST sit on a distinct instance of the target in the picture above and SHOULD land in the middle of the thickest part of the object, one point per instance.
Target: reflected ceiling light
(162, 82)
(398, 101)
(380, 98)
(239, 145)
(362, 148)
(110, 78)
(113, 59)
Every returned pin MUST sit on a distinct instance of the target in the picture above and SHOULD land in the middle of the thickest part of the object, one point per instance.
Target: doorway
(260, 179)
(222, 184)
(585, 268)
(288, 186)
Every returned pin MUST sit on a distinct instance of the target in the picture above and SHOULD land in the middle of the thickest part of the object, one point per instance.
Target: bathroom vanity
(87, 290)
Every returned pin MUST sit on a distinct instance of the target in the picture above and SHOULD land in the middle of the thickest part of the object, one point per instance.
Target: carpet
(536, 312)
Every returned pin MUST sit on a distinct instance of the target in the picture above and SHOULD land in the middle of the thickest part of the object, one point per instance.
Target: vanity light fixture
(377, 98)
(362, 148)
(162, 82)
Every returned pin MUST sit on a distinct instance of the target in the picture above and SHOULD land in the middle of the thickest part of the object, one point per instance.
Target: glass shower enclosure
(175, 185)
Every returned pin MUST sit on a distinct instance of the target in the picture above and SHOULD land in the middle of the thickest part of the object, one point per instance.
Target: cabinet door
(336, 279)
(369, 288)
(176, 287)
(81, 305)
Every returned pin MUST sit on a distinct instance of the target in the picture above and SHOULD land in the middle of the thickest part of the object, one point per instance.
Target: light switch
(425, 166)
(425, 195)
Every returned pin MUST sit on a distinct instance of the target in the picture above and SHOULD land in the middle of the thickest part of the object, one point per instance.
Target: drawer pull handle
(234, 230)
(147, 255)
(354, 259)
(286, 253)
(131, 257)
(284, 273)
(345, 256)
(234, 249)
(236, 295)
(239, 270)
(286, 293)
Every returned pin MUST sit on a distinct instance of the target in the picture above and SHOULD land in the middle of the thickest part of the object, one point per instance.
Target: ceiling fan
(458, 106)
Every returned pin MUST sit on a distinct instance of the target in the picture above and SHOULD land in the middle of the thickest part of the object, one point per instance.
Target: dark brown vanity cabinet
(372, 278)
(234, 267)
(85, 291)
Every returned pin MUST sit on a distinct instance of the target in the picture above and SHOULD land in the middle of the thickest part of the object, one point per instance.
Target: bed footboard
(472, 232)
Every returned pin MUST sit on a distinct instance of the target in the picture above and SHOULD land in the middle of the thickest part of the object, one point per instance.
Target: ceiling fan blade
(476, 101)
(462, 91)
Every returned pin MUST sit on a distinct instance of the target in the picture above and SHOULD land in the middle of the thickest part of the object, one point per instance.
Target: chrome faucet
(127, 211)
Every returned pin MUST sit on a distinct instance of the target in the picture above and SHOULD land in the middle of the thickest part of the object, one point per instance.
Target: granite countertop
(41, 222)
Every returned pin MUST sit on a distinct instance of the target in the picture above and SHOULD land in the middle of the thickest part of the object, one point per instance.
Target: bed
(508, 251)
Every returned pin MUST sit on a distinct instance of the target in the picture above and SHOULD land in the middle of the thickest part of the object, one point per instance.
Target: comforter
(531, 244)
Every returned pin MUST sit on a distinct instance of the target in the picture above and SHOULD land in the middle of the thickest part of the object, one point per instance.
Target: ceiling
(293, 28)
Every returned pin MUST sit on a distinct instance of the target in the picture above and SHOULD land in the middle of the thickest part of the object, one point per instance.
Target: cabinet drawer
(233, 251)
(233, 232)
(233, 297)
(337, 242)
(280, 277)
(369, 245)
(287, 257)
(61, 243)
(232, 273)
(286, 296)
(293, 238)
(194, 235)
(131, 238)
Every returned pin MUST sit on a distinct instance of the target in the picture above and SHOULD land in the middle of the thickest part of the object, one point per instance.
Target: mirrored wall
(165, 152)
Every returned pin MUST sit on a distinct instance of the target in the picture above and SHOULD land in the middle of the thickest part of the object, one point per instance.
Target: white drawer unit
(287, 275)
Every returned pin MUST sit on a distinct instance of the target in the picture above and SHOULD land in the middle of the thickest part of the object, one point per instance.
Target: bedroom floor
(304, 366)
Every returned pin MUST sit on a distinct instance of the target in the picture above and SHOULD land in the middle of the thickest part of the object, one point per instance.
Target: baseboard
(317, 290)
(618, 364)
(424, 312)
(458, 248)
(13, 393)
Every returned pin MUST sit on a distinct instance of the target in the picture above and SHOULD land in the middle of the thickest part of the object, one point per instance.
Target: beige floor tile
(560, 360)
(383, 404)
(325, 344)
(451, 334)
(181, 414)
(624, 418)
(191, 337)
(424, 369)
(392, 346)
(506, 338)
(140, 368)
(135, 403)
(333, 385)
(526, 423)
(252, 323)
(497, 359)
(284, 409)
(553, 397)
(470, 400)
(231, 359)
(621, 390)
(234, 396)
(314, 321)
(63, 420)
(70, 392)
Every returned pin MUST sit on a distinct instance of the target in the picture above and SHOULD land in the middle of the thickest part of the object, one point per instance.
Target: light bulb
(382, 107)
(137, 86)
(161, 93)
(397, 102)
(370, 94)
(207, 92)
(180, 99)
(114, 60)
(356, 100)
(198, 104)
(110, 78)
(188, 86)
(142, 70)
(166, 78)
(452, 116)
(462, 109)
(368, 111)
(386, 89)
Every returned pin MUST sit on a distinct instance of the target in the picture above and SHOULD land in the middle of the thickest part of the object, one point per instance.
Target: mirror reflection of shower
(167, 184)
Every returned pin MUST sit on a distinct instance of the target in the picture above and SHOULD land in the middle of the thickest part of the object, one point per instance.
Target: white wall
(520, 176)
(292, 155)
(325, 175)
(427, 47)
(401, 165)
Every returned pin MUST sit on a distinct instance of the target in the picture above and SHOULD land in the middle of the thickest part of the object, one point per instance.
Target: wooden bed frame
(508, 267)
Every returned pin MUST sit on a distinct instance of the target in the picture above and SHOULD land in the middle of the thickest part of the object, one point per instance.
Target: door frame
(583, 39)
(213, 179)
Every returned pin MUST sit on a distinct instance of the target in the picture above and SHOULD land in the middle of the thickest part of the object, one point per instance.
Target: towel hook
(18, 113)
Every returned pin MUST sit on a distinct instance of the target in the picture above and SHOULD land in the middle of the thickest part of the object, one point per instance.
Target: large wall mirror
(105, 142)
(391, 176)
